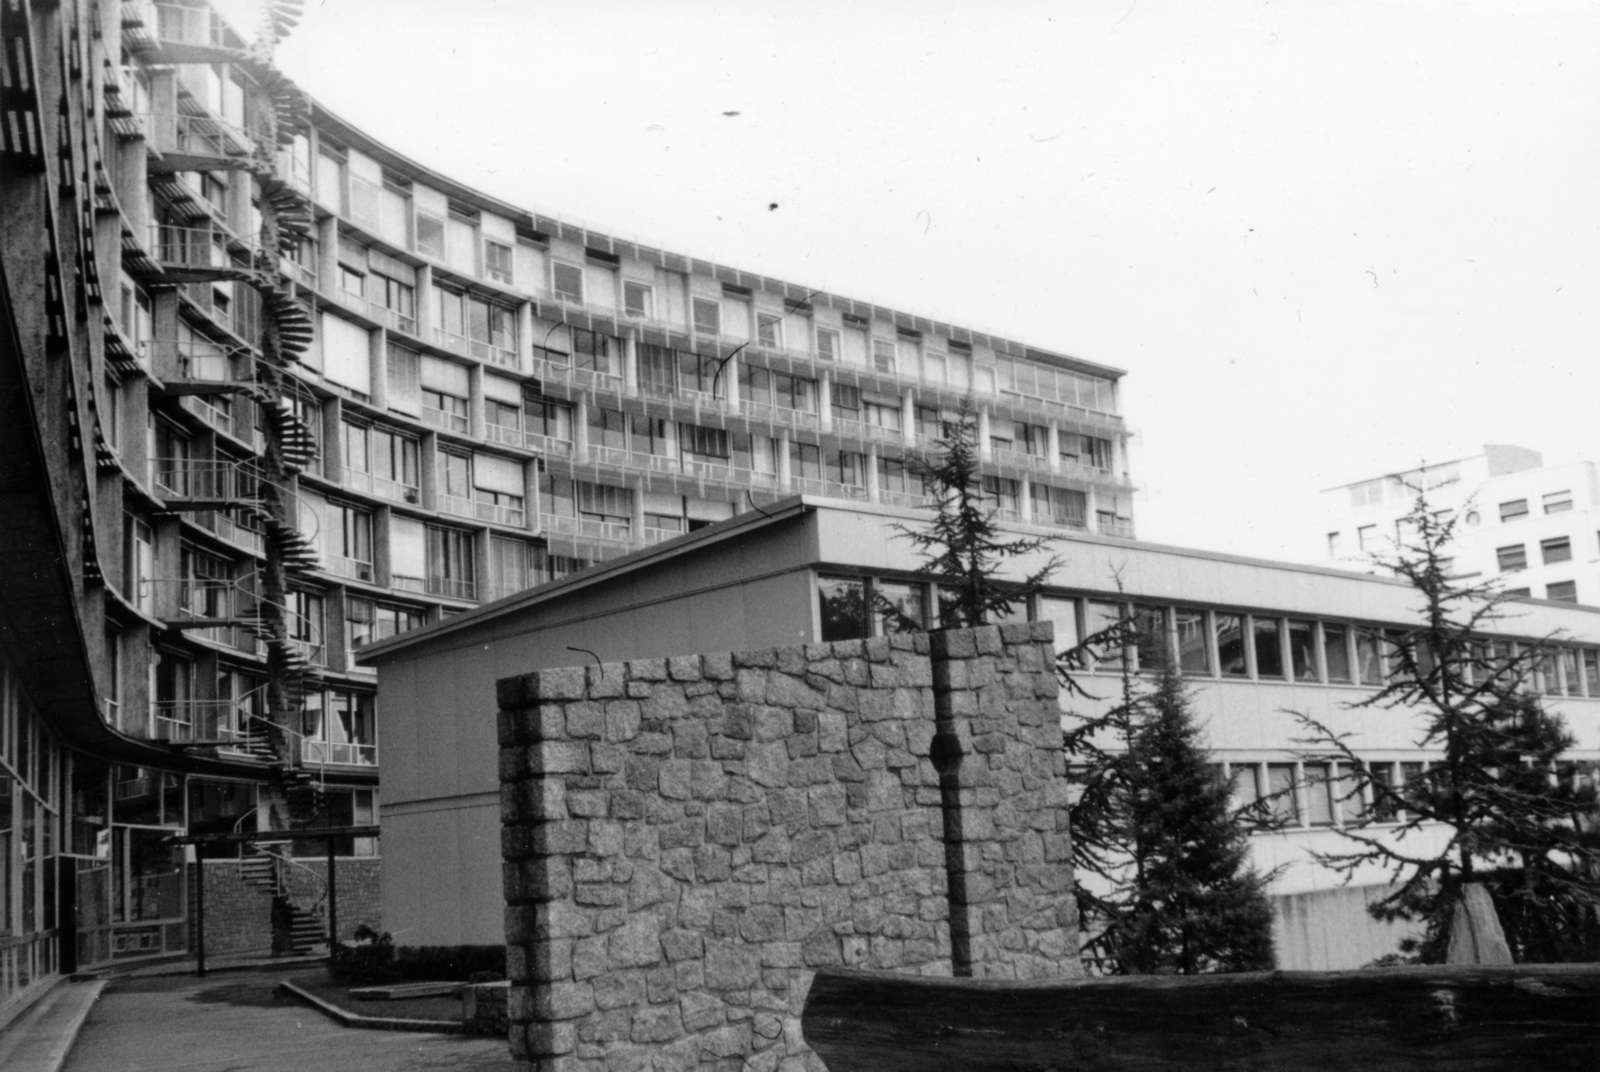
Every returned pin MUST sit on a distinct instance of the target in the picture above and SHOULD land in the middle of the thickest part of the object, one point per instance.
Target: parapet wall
(686, 840)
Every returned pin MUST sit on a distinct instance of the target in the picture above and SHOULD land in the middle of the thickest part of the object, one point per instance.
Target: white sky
(1325, 239)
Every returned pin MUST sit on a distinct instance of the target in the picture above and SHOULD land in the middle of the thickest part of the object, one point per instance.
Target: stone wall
(686, 840)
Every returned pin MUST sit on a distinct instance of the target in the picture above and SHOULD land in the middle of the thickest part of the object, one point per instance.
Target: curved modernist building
(272, 391)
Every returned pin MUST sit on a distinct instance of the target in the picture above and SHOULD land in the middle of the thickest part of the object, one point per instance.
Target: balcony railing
(547, 445)
(403, 582)
(451, 587)
(514, 516)
(382, 486)
(653, 535)
(835, 490)
(447, 422)
(350, 755)
(353, 568)
(197, 137)
(1116, 528)
(618, 531)
(504, 433)
(459, 505)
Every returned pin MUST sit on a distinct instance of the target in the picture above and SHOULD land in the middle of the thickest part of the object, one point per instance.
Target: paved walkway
(238, 1022)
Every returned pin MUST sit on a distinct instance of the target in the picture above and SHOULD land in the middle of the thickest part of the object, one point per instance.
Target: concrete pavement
(238, 1022)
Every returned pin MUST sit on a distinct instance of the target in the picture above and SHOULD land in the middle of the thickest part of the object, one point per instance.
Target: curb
(374, 1023)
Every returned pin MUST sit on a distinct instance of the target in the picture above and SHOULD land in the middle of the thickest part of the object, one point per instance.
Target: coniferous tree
(1515, 816)
(961, 545)
(1195, 903)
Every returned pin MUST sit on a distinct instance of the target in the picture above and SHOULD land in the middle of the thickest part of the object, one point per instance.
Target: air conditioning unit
(413, 496)
(364, 572)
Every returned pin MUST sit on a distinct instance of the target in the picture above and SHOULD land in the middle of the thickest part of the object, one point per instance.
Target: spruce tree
(1193, 903)
(1513, 813)
(961, 544)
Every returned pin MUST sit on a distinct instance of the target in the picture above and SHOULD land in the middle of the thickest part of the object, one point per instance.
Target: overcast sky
(1325, 240)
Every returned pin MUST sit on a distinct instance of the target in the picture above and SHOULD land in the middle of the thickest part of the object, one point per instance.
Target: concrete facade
(687, 839)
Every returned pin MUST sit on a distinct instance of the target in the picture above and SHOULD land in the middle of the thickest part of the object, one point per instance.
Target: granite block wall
(687, 840)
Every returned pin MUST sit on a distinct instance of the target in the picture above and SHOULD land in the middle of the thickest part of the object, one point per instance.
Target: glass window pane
(1352, 803)
(904, 611)
(1591, 671)
(1098, 617)
(1150, 636)
(1063, 614)
(1369, 664)
(1281, 792)
(1193, 654)
(844, 608)
(1269, 652)
(1319, 795)
(1246, 787)
(1303, 651)
(1230, 645)
(1335, 653)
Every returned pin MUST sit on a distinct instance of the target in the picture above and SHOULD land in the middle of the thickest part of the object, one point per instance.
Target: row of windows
(1555, 502)
(1198, 642)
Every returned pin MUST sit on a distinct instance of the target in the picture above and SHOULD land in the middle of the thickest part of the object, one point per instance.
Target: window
(638, 299)
(451, 563)
(430, 236)
(1063, 614)
(1369, 657)
(567, 281)
(846, 468)
(881, 414)
(591, 351)
(1333, 545)
(846, 402)
(1002, 492)
(608, 428)
(546, 417)
(1558, 502)
(381, 461)
(1319, 789)
(444, 411)
(1268, 649)
(349, 541)
(755, 385)
(929, 423)
(139, 571)
(1512, 557)
(1281, 796)
(367, 621)
(754, 452)
(397, 297)
(827, 344)
(1557, 549)
(843, 605)
(1230, 645)
(793, 392)
(883, 356)
(769, 330)
(1591, 672)
(514, 565)
(1194, 656)
(497, 262)
(1517, 593)
(604, 503)
(698, 372)
(1513, 510)
(1060, 506)
(704, 444)
(900, 608)
(1303, 651)
(1150, 636)
(1336, 653)
(352, 282)
(1367, 538)
(805, 461)
(707, 316)
(1562, 591)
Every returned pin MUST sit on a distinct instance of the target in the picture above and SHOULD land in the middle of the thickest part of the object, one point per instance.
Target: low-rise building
(1258, 641)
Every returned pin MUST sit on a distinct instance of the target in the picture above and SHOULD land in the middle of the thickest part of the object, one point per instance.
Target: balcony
(376, 311)
(445, 422)
(452, 587)
(907, 498)
(654, 535)
(835, 490)
(333, 752)
(1120, 527)
(403, 582)
(196, 142)
(1020, 459)
(616, 531)
(514, 516)
(393, 490)
(504, 433)
(658, 463)
(353, 568)
(459, 505)
(547, 445)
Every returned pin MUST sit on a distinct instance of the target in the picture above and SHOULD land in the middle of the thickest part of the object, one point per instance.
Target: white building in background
(1535, 528)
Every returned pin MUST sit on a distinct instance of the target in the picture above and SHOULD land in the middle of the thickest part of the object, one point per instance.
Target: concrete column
(1054, 446)
(1025, 499)
(1090, 505)
(428, 470)
(524, 337)
(825, 402)
(908, 417)
(480, 567)
(162, 357)
(985, 451)
(530, 495)
(425, 311)
(580, 428)
(477, 422)
(328, 255)
(380, 546)
(333, 439)
(636, 520)
(630, 363)
(730, 384)
(783, 461)
(874, 492)
(378, 349)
